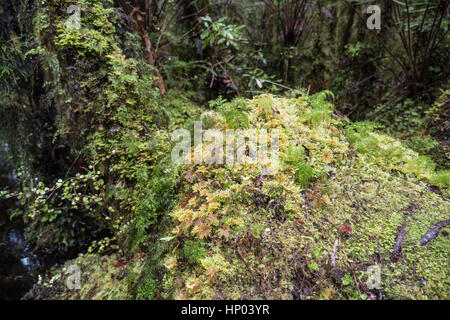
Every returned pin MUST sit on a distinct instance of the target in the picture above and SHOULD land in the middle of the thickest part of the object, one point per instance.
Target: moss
(121, 127)
(235, 114)
(193, 251)
(102, 277)
(214, 231)
(147, 288)
(303, 171)
(272, 240)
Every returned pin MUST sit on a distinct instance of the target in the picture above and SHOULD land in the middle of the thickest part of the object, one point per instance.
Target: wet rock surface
(18, 264)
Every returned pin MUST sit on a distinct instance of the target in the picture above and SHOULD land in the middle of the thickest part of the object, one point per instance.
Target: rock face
(18, 264)
(342, 191)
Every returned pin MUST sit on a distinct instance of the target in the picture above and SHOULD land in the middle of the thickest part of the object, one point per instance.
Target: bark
(148, 47)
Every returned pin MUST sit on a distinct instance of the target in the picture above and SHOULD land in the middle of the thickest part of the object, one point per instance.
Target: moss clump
(102, 277)
(274, 239)
(295, 234)
(296, 156)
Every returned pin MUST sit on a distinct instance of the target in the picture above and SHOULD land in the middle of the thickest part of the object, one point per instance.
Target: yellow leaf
(185, 215)
(193, 202)
(177, 230)
(325, 199)
(198, 214)
(170, 262)
(193, 285)
(211, 271)
(224, 233)
(182, 296)
(202, 169)
(199, 186)
(213, 206)
(223, 194)
(213, 220)
(327, 157)
(211, 198)
(202, 230)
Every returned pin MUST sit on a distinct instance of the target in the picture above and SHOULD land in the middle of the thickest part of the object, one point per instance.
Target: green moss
(303, 171)
(282, 238)
(235, 114)
(442, 178)
(193, 251)
(147, 288)
(214, 231)
(102, 277)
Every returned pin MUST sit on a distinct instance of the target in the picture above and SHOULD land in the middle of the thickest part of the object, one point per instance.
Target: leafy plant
(296, 156)
(221, 35)
(193, 251)
(421, 29)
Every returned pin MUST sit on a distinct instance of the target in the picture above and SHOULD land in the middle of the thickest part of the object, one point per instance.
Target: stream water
(19, 266)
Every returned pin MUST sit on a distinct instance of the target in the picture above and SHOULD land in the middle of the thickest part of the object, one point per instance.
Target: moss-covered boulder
(343, 198)
(344, 202)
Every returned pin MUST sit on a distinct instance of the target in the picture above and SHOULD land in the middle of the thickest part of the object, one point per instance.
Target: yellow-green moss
(274, 240)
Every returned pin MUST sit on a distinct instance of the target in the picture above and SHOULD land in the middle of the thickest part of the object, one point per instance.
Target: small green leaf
(167, 238)
(313, 266)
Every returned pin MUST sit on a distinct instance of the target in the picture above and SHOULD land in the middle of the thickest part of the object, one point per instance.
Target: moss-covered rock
(300, 233)
(236, 238)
